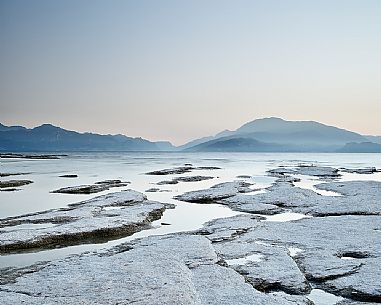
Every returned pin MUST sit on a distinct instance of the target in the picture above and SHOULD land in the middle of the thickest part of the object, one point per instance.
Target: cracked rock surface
(161, 270)
(115, 214)
(327, 244)
(358, 198)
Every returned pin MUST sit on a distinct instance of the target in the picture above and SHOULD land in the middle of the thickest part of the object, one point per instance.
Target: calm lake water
(93, 167)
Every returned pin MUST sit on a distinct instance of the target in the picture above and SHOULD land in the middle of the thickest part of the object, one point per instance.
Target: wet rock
(161, 270)
(91, 188)
(154, 190)
(172, 171)
(351, 302)
(9, 190)
(244, 176)
(30, 156)
(207, 167)
(103, 217)
(185, 179)
(181, 170)
(68, 176)
(216, 192)
(12, 174)
(367, 170)
(14, 183)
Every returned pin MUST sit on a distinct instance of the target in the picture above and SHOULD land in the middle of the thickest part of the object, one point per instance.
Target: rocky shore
(334, 246)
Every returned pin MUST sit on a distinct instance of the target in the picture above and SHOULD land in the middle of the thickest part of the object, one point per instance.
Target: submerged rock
(14, 183)
(91, 188)
(107, 216)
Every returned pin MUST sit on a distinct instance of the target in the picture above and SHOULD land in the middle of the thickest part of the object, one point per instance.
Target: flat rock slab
(340, 254)
(307, 170)
(14, 183)
(185, 179)
(12, 174)
(91, 188)
(103, 217)
(218, 191)
(358, 198)
(181, 170)
(160, 270)
(27, 156)
(69, 176)
(365, 171)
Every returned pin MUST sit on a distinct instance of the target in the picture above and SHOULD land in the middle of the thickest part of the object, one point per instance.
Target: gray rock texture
(14, 183)
(340, 254)
(161, 270)
(218, 191)
(111, 215)
(181, 170)
(92, 188)
(185, 179)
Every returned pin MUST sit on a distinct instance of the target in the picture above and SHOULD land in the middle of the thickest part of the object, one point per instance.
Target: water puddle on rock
(184, 217)
(309, 183)
(320, 297)
(244, 260)
(283, 217)
(294, 251)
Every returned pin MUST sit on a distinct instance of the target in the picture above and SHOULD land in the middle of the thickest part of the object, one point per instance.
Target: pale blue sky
(178, 70)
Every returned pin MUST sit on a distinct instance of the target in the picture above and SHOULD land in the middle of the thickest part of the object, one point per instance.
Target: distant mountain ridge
(48, 137)
(260, 135)
(278, 135)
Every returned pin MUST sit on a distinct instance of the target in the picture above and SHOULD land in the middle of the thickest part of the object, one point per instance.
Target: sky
(178, 70)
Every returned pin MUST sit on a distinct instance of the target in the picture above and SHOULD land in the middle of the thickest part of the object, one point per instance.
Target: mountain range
(260, 135)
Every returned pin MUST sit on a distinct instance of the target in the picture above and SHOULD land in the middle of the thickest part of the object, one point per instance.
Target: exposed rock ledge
(115, 214)
(174, 269)
(92, 188)
(358, 197)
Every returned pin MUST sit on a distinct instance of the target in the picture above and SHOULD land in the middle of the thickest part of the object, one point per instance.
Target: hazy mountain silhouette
(364, 147)
(261, 135)
(51, 138)
(276, 134)
(374, 139)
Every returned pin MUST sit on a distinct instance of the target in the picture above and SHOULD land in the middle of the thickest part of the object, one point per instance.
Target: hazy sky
(178, 70)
